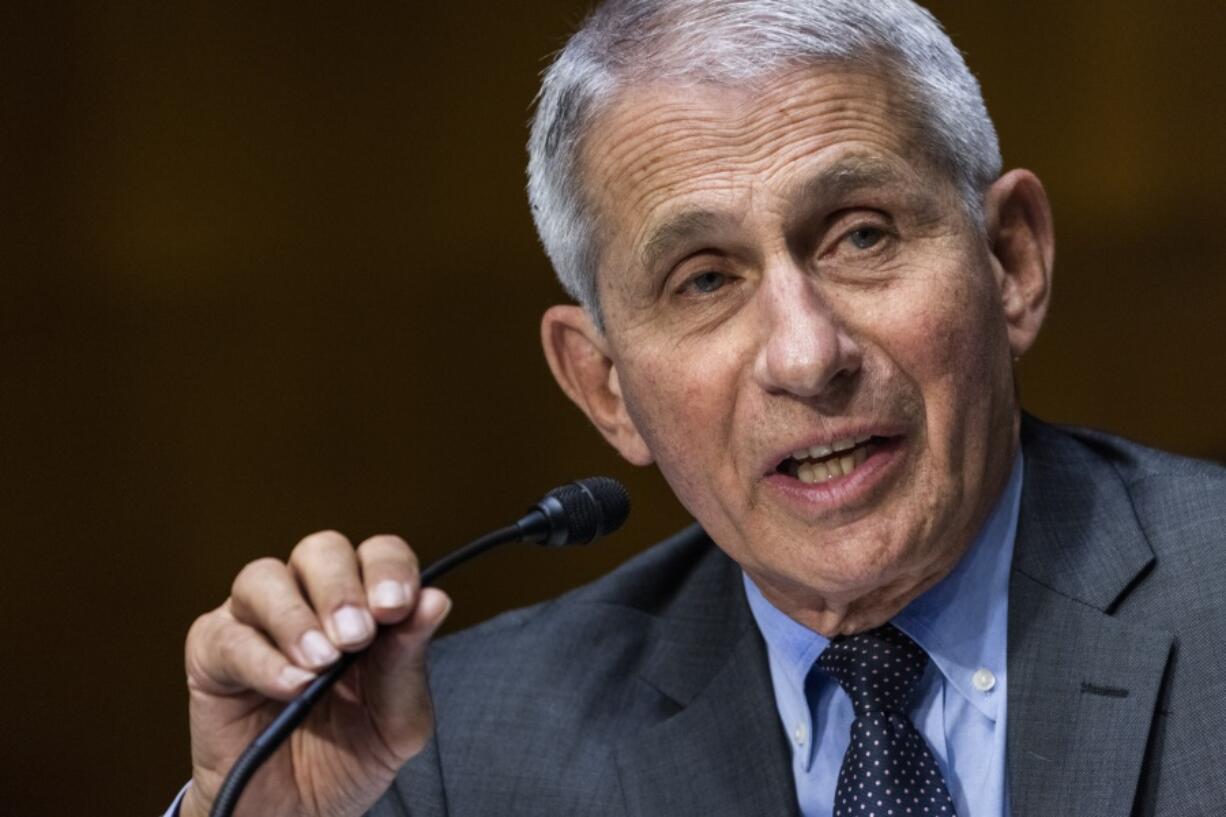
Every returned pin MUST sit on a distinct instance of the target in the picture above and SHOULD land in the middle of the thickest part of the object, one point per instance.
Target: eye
(706, 282)
(865, 238)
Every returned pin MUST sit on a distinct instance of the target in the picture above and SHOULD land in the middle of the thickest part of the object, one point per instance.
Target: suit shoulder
(1143, 469)
(678, 576)
(1179, 502)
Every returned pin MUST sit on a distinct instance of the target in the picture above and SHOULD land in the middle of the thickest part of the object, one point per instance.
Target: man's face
(784, 273)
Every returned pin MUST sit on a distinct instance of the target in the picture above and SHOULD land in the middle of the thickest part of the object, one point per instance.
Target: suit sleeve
(417, 790)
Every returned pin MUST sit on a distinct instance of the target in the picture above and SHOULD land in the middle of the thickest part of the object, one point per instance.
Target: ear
(578, 356)
(1021, 238)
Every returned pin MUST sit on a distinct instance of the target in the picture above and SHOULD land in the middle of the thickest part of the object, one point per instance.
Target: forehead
(660, 151)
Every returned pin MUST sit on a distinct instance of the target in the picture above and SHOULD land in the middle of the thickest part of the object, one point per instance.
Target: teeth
(818, 452)
(822, 471)
(810, 472)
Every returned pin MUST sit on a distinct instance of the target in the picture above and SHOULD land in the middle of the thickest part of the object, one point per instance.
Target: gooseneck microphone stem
(576, 513)
(269, 740)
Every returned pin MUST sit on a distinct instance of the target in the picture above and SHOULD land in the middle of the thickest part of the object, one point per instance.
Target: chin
(854, 569)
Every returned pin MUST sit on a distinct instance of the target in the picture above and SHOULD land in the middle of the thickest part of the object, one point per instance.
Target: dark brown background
(268, 268)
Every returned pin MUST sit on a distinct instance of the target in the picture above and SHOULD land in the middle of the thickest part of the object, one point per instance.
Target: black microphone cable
(574, 514)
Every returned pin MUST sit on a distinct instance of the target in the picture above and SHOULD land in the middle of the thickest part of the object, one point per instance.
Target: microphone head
(578, 512)
(594, 507)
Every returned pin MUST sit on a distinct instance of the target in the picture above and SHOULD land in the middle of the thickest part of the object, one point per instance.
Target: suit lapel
(723, 752)
(1083, 685)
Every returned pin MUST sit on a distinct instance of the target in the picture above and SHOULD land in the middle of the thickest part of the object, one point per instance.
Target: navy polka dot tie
(888, 770)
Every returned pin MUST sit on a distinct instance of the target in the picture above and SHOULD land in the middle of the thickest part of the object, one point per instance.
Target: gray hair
(736, 41)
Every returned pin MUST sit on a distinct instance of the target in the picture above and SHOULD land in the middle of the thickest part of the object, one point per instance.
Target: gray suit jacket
(648, 692)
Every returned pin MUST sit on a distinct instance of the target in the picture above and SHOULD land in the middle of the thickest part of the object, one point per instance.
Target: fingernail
(317, 649)
(388, 594)
(293, 677)
(352, 625)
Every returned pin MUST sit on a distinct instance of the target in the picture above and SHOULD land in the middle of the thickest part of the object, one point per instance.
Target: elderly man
(802, 285)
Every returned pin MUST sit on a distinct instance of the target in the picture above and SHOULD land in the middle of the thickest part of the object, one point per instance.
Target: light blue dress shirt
(960, 707)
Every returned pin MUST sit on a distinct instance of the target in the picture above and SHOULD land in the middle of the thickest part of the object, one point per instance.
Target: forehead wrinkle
(649, 132)
(751, 145)
(719, 179)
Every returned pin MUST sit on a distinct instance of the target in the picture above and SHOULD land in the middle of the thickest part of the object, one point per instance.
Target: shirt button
(800, 734)
(983, 680)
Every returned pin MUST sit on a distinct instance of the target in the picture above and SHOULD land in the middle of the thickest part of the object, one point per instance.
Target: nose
(805, 346)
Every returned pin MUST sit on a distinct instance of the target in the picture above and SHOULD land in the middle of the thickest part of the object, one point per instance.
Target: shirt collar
(961, 622)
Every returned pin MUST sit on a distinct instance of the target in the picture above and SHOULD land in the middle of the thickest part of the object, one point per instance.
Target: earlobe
(1022, 242)
(579, 358)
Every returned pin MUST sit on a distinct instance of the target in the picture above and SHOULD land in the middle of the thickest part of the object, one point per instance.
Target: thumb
(395, 676)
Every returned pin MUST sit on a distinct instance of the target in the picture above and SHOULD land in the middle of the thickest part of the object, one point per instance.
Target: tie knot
(878, 669)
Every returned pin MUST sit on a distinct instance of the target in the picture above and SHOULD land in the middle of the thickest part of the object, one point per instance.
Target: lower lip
(849, 489)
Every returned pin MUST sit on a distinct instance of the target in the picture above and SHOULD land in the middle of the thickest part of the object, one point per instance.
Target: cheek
(957, 354)
(665, 409)
(683, 404)
(952, 341)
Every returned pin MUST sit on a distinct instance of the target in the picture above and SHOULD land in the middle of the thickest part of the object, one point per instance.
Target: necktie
(888, 770)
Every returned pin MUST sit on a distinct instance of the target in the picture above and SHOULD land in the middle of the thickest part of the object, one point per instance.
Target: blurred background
(267, 268)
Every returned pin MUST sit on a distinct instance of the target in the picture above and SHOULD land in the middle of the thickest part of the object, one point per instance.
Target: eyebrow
(819, 193)
(678, 230)
(848, 176)
(854, 174)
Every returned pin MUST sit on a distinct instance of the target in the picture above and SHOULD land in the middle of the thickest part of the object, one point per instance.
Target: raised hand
(284, 622)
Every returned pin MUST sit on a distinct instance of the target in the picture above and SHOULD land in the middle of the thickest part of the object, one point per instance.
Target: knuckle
(222, 653)
(319, 543)
(238, 650)
(290, 615)
(253, 572)
(195, 662)
(342, 591)
(386, 542)
(229, 648)
(199, 631)
(388, 549)
(337, 589)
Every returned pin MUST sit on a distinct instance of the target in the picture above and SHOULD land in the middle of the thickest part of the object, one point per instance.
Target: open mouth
(822, 463)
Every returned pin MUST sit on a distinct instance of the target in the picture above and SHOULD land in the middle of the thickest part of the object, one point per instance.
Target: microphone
(576, 513)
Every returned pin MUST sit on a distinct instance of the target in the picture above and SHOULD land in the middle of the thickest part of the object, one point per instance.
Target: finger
(327, 568)
(266, 597)
(391, 578)
(395, 683)
(402, 649)
(227, 657)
